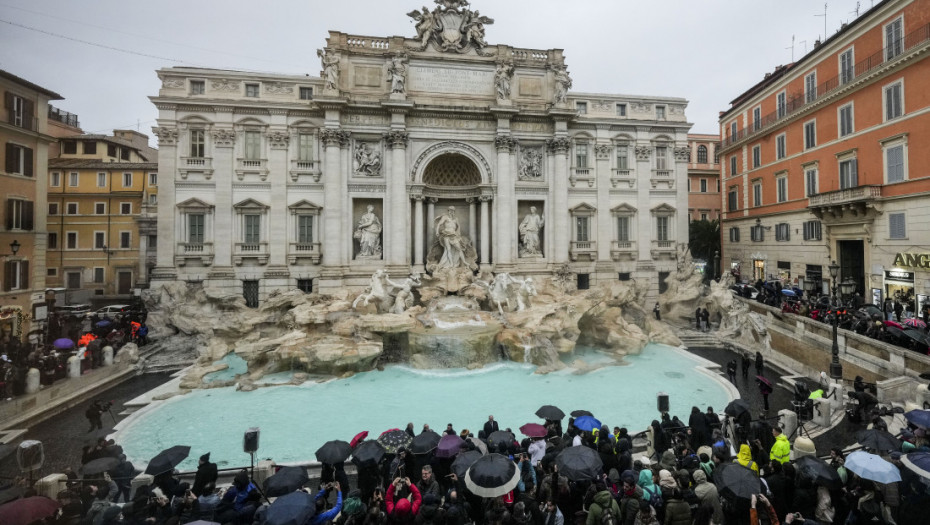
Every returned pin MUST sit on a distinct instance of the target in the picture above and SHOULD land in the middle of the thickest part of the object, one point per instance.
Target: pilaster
(558, 213)
(505, 204)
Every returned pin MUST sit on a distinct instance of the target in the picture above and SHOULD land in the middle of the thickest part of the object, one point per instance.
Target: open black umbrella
(394, 439)
(878, 439)
(285, 481)
(579, 413)
(463, 461)
(368, 454)
(99, 465)
(295, 508)
(737, 407)
(424, 442)
(449, 446)
(818, 471)
(550, 412)
(491, 476)
(501, 436)
(480, 445)
(579, 463)
(735, 481)
(335, 451)
(167, 459)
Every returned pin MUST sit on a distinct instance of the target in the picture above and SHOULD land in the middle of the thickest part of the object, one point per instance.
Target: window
(897, 229)
(305, 147)
(100, 208)
(51, 272)
(732, 199)
(69, 147)
(733, 130)
(810, 181)
(662, 233)
(757, 118)
(15, 275)
(810, 134)
(733, 165)
(689, 185)
(757, 194)
(756, 156)
(153, 179)
(99, 275)
(125, 208)
(306, 93)
(757, 233)
(847, 66)
(153, 198)
(53, 208)
(703, 185)
(734, 234)
(19, 159)
(623, 229)
(894, 41)
(810, 87)
(660, 112)
(90, 148)
(253, 144)
(894, 163)
(251, 90)
(198, 87)
(581, 229)
(198, 141)
(661, 157)
(71, 240)
(195, 228)
(124, 153)
(621, 110)
(111, 150)
(125, 240)
(100, 240)
(55, 179)
(101, 180)
(703, 216)
(782, 232)
(581, 107)
(71, 208)
(812, 231)
(624, 276)
(846, 119)
(127, 180)
(781, 104)
(702, 154)
(581, 155)
(52, 240)
(73, 279)
(19, 110)
(894, 100)
(623, 156)
(305, 285)
(19, 214)
(305, 229)
(849, 175)
(781, 187)
(780, 149)
(251, 230)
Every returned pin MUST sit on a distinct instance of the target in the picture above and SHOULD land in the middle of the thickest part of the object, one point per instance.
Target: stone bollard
(923, 396)
(32, 381)
(823, 412)
(263, 470)
(837, 392)
(788, 421)
(74, 366)
(802, 446)
(107, 355)
(140, 481)
(51, 485)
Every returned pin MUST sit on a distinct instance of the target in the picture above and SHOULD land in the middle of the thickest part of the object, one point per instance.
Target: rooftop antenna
(824, 15)
(791, 48)
(856, 11)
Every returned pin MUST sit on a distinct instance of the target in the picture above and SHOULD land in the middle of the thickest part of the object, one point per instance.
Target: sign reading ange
(912, 260)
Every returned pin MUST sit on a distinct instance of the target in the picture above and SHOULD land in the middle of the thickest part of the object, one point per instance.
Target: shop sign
(912, 260)
(899, 275)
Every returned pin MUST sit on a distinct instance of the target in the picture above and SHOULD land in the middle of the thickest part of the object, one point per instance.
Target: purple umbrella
(63, 344)
(449, 446)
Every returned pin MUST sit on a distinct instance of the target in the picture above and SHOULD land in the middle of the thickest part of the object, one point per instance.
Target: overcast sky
(707, 51)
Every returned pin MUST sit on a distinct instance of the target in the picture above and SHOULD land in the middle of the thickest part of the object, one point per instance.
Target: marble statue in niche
(368, 234)
(530, 231)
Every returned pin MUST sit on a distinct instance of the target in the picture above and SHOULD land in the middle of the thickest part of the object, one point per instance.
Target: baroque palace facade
(274, 182)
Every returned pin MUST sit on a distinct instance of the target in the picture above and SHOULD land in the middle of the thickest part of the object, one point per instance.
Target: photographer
(402, 510)
(93, 414)
(327, 516)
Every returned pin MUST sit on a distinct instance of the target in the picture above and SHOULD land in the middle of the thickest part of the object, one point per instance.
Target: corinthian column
(418, 232)
(559, 146)
(398, 246)
(505, 203)
(485, 232)
(333, 237)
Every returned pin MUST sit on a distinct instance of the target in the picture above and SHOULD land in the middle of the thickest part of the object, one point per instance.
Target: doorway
(852, 262)
(124, 283)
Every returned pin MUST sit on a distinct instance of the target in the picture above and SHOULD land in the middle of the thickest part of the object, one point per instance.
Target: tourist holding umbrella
(492, 476)
(500, 441)
(579, 463)
(878, 440)
(818, 471)
(448, 446)
(167, 459)
(368, 454)
(425, 442)
(335, 451)
(534, 430)
(550, 413)
(394, 439)
(872, 467)
(285, 481)
(587, 423)
(295, 508)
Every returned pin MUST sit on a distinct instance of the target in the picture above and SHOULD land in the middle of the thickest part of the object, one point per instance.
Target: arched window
(702, 154)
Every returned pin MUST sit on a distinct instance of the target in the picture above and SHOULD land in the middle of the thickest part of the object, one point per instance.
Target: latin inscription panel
(432, 79)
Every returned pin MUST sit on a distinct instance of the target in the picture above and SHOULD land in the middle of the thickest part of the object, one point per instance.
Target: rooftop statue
(451, 26)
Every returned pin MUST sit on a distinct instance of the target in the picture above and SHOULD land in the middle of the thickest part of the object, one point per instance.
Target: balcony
(304, 250)
(196, 164)
(582, 174)
(662, 179)
(305, 167)
(250, 250)
(583, 250)
(663, 249)
(202, 251)
(623, 250)
(257, 166)
(861, 202)
(622, 178)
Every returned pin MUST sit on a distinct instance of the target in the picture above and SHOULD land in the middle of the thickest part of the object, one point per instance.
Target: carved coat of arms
(451, 26)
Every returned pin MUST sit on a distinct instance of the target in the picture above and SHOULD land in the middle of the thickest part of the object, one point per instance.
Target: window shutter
(7, 276)
(28, 216)
(9, 214)
(27, 162)
(28, 114)
(11, 163)
(896, 225)
(23, 275)
(8, 104)
(854, 173)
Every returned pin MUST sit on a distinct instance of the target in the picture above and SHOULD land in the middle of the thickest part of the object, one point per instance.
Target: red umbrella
(26, 510)
(358, 438)
(534, 430)
(764, 380)
(894, 324)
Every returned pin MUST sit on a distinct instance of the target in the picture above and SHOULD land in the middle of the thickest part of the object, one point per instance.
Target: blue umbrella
(63, 344)
(295, 508)
(921, 418)
(789, 293)
(870, 466)
(104, 323)
(918, 462)
(587, 423)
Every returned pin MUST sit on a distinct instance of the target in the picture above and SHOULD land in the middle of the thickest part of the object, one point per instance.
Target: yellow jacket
(781, 450)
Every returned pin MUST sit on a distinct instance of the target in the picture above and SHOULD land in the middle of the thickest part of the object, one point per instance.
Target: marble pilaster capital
(396, 138)
(559, 145)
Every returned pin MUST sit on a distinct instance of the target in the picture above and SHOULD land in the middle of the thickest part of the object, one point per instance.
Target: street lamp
(848, 287)
(14, 247)
(716, 264)
(836, 369)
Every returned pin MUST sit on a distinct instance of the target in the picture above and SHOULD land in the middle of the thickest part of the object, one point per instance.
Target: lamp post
(716, 264)
(836, 369)
(14, 247)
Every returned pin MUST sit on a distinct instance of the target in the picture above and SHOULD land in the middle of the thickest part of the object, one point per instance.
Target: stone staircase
(696, 339)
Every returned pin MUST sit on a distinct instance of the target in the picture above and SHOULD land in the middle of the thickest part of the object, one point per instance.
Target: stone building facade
(703, 178)
(274, 181)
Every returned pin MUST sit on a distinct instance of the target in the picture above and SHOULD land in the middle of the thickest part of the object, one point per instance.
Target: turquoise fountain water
(296, 420)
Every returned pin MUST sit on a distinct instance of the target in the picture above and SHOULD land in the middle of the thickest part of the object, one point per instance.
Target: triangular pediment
(582, 208)
(194, 202)
(663, 209)
(250, 204)
(623, 209)
(304, 205)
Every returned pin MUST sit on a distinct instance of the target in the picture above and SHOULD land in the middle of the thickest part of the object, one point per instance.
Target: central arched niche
(451, 170)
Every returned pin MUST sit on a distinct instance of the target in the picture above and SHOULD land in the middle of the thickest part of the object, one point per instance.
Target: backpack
(608, 517)
(654, 498)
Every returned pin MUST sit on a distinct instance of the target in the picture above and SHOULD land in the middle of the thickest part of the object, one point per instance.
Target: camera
(104, 405)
